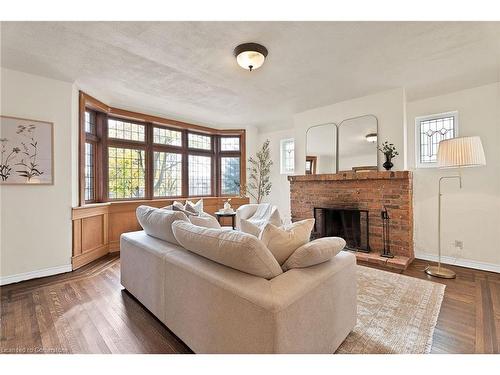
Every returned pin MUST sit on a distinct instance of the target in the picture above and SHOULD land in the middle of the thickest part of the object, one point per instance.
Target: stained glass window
(430, 131)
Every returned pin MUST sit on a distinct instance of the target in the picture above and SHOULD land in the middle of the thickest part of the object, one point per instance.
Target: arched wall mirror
(321, 143)
(347, 146)
(357, 144)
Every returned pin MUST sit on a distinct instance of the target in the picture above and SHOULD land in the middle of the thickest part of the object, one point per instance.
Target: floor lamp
(455, 153)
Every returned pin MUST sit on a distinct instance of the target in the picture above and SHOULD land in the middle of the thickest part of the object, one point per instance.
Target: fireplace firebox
(349, 223)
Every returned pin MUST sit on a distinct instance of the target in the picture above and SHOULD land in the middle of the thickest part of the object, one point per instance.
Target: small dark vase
(388, 163)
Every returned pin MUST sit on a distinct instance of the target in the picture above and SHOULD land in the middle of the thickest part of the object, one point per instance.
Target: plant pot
(388, 163)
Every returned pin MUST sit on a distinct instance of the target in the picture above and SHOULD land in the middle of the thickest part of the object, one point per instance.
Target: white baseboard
(4, 280)
(460, 262)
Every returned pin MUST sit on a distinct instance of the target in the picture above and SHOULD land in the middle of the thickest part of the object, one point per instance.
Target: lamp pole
(438, 271)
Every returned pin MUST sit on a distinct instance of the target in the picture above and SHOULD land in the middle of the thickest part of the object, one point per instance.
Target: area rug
(396, 314)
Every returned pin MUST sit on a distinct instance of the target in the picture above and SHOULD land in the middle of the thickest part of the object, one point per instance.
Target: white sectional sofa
(214, 308)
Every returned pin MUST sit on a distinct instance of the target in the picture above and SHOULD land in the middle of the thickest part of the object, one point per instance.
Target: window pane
(199, 141)
(89, 172)
(126, 173)
(432, 131)
(167, 174)
(125, 130)
(200, 173)
(167, 137)
(230, 175)
(230, 144)
(287, 156)
(90, 120)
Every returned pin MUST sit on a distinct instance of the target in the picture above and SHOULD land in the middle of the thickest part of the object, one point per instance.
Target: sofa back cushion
(205, 220)
(283, 241)
(231, 248)
(315, 252)
(157, 222)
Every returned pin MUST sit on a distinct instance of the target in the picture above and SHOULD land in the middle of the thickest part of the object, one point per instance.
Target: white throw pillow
(231, 248)
(197, 207)
(188, 210)
(157, 222)
(247, 227)
(205, 220)
(283, 241)
(315, 252)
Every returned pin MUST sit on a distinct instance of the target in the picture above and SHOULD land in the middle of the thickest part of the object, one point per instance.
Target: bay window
(126, 155)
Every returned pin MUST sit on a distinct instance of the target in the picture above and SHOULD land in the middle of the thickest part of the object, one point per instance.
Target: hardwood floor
(87, 311)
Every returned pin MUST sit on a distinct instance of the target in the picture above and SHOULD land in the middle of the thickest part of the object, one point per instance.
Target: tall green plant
(259, 180)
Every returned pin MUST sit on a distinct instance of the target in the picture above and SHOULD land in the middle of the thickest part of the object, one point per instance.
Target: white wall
(387, 106)
(36, 220)
(470, 214)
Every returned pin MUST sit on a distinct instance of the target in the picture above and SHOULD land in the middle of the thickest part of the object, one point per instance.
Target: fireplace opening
(349, 223)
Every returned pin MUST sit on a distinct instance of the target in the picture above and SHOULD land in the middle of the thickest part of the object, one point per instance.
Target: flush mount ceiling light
(372, 137)
(250, 56)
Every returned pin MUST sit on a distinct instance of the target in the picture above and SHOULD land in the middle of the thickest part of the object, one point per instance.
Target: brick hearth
(363, 190)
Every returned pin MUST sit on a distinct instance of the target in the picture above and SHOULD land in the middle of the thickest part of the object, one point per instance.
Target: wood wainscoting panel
(90, 234)
(121, 222)
(97, 227)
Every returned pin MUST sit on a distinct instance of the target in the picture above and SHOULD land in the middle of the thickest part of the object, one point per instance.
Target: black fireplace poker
(386, 239)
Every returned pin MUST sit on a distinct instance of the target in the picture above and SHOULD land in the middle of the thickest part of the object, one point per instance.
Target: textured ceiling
(186, 70)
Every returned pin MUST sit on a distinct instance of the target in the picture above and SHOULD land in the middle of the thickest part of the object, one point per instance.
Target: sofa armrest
(244, 212)
(315, 307)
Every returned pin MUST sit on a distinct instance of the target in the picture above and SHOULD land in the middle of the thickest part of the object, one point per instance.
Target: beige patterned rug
(396, 314)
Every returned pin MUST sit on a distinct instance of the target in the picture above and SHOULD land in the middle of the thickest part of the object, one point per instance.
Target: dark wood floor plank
(88, 311)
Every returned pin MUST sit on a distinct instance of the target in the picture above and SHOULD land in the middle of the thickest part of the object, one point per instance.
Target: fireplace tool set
(386, 253)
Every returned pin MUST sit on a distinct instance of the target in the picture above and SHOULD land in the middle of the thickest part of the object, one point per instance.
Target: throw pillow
(228, 247)
(314, 252)
(247, 227)
(196, 207)
(283, 241)
(157, 222)
(187, 209)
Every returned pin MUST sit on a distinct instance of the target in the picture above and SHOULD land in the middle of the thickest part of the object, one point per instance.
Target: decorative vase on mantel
(388, 162)
(390, 152)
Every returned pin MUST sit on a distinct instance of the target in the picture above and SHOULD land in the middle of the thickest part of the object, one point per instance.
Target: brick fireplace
(364, 191)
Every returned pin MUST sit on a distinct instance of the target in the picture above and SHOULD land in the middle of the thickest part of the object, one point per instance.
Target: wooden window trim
(102, 142)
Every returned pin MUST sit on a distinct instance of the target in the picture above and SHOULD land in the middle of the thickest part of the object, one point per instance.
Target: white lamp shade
(461, 152)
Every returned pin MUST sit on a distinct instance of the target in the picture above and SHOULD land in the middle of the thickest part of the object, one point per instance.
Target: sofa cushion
(205, 220)
(283, 241)
(157, 222)
(231, 248)
(314, 252)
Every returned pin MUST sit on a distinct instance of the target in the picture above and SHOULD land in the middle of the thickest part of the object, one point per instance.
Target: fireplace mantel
(370, 175)
(372, 191)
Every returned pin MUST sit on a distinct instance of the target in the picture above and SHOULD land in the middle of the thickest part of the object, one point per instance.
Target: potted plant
(259, 185)
(389, 151)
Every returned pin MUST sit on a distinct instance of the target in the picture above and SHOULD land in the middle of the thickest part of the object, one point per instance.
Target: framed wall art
(27, 151)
